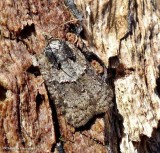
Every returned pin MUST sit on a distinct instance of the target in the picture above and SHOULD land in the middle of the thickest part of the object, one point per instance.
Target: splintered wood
(130, 30)
(127, 30)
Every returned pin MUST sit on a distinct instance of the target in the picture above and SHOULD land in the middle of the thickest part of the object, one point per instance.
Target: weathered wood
(129, 30)
(124, 32)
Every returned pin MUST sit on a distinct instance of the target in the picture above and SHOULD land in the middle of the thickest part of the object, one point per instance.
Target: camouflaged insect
(73, 84)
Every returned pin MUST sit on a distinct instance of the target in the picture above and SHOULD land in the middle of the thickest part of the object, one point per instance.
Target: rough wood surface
(124, 34)
(130, 30)
(28, 120)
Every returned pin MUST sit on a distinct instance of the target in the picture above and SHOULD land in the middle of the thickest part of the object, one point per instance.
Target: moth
(74, 86)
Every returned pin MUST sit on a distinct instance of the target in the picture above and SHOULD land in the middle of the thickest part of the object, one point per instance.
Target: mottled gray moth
(74, 86)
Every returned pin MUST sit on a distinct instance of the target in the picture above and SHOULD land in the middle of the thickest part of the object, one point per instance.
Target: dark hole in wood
(3, 92)
(74, 28)
(158, 86)
(34, 70)
(27, 31)
(91, 56)
(39, 100)
(114, 62)
(83, 34)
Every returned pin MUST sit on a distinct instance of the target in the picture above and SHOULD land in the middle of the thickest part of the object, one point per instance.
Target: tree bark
(129, 30)
(123, 34)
